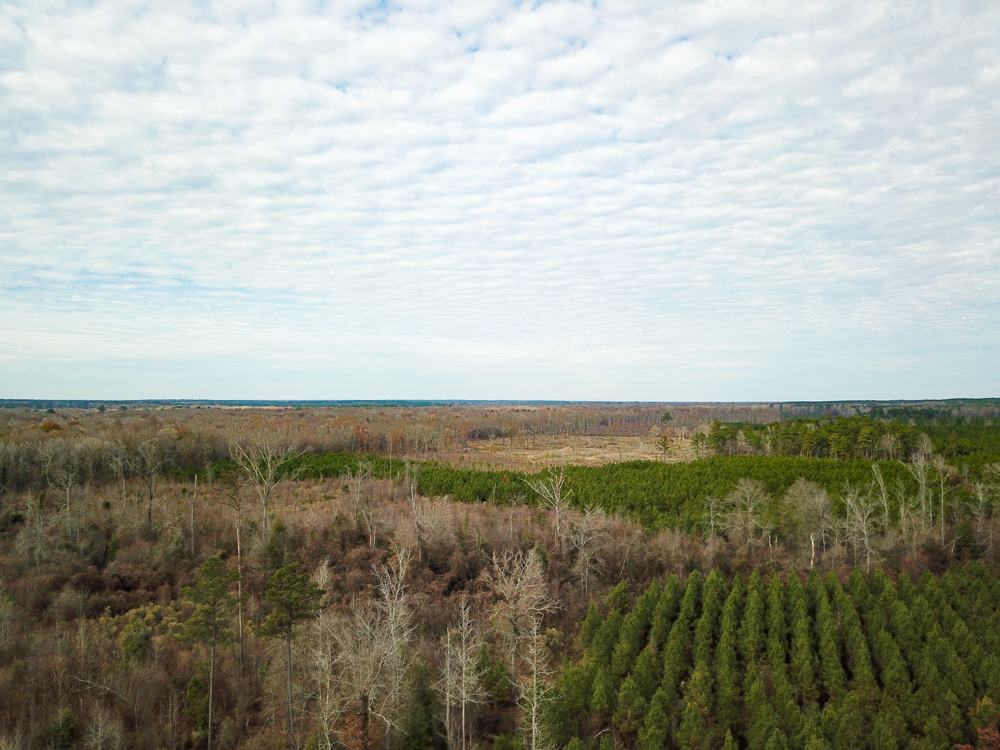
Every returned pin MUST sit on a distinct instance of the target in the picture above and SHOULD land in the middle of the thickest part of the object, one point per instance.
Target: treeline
(800, 509)
(281, 599)
(851, 506)
(969, 443)
(659, 495)
(778, 662)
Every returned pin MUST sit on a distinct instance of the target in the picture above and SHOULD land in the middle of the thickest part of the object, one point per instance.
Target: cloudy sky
(713, 200)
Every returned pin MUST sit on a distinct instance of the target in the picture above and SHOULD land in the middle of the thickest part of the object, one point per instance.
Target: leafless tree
(262, 453)
(744, 518)
(461, 682)
(911, 523)
(33, 541)
(534, 687)
(359, 485)
(370, 649)
(982, 511)
(519, 582)
(122, 464)
(104, 731)
(8, 456)
(888, 446)
(883, 496)
(716, 511)
(61, 472)
(860, 523)
(149, 464)
(811, 503)
(230, 492)
(416, 508)
(553, 497)
(323, 649)
(919, 467)
(8, 618)
(13, 740)
(587, 536)
(943, 471)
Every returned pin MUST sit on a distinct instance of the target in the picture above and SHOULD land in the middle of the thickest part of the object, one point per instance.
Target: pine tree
(209, 623)
(606, 638)
(895, 676)
(667, 607)
(889, 728)
(692, 596)
(645, 607)
(654, 733)
(751, 635)
(832, 675)
(848, 726)
(708, 623)
(618, 597)
(859, 660)
(604, 695)
(725, 665)
(694, 731)
(295, 597)
(628, 646)
(590, 626)
(631, 708)
(648, 672)
(571, 699)
(760, 717)
(803, 658)
(419, 731)
(777, 629)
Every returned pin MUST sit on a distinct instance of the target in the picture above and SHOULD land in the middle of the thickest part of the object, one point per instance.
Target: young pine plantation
(342, 578)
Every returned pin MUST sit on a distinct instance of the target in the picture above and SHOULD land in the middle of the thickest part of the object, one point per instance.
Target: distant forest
(357, 576)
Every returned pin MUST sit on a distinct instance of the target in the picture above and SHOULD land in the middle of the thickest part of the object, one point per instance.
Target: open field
(531, 454)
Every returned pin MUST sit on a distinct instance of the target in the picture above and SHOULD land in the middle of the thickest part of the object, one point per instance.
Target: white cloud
(551, 200)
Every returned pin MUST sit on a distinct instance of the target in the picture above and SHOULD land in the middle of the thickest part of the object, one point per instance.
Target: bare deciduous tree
(461, 681)
(149, 464)
(262, 454)
(888, 446)
(519, 582)
(230, 491)
(553, 497)
(534, 686)
(918, 467)
(104, 731)
(943, 471)
(369, 649)
(982, 512)
(811, 503)
(860, 523)
(61, 471)
(716, 511)
(359, 485)
(122, 464)
(415, 507)
(745, 515)
(586, 536)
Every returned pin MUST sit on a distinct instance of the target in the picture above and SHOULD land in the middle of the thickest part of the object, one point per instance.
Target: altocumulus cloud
(688, 200)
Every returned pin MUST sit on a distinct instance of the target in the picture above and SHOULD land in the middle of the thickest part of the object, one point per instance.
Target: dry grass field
(554, 450)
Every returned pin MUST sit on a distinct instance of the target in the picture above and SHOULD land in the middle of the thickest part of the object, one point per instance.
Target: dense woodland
(333, 577)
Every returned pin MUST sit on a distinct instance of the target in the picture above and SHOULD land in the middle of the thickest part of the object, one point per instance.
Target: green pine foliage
(658, 494)
(782, 663)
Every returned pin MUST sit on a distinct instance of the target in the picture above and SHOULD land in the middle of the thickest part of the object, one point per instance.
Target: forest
(358, 576)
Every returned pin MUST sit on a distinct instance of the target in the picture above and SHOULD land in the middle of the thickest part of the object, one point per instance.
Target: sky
(656, 201)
